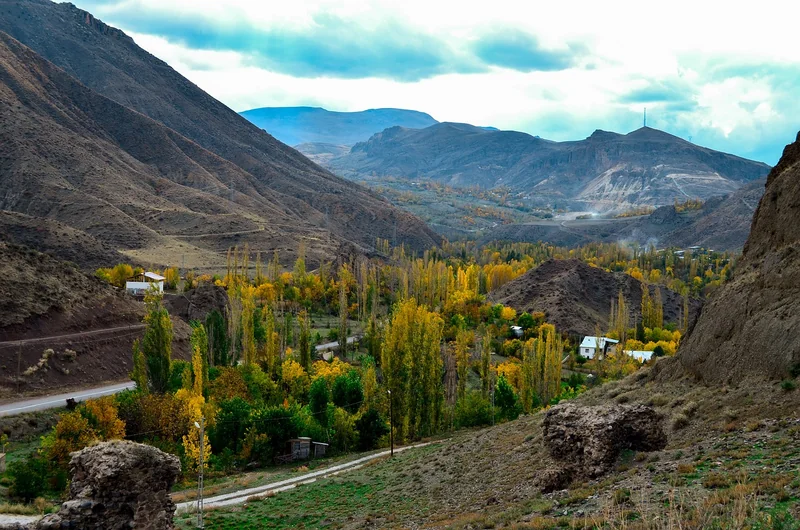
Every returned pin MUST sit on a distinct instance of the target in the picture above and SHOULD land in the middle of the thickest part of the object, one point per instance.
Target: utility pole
(491, 382)
(391, 425)
(645, 116)
(201, 426)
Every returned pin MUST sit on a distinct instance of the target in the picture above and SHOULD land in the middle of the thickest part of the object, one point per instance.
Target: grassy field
(731, 463)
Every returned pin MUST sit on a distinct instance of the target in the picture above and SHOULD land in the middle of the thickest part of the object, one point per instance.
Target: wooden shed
(300, 448)
(319, 449)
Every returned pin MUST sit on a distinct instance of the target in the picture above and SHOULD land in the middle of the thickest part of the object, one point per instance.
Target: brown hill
(722, 223)
(576, 297)
(167, 173)
(749, 326)
(47, 303)
(606, 171)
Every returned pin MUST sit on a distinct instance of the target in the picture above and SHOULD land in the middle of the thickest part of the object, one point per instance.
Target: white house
(517, 330)
(592, 345)
(145, 282)
(640, 355)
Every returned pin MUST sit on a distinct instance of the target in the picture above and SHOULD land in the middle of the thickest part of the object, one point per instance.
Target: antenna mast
(645, 116)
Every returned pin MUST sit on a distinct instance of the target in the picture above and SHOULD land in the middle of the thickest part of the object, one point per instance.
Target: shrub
(788, 385)
(28, 477)
(506, 400)
(679, 421)
(318, 397)
(795, 370)
(473, 410)
(715, 480)
(622, 496)
(371, 427)
(345, 436)
(279, 424)
(347, 392)
(233, 421)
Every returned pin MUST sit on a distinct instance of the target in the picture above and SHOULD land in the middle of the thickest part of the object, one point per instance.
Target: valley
(294, 317)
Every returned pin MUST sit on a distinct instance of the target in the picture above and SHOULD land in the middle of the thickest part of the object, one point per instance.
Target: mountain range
(604, 172)
(105, 142)
(302, 125)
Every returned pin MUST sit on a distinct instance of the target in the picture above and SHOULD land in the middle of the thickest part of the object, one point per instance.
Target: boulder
(117, 485)
(588, 440)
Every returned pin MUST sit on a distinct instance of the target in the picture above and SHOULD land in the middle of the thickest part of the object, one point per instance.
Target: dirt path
(239, 497)
(71, 335)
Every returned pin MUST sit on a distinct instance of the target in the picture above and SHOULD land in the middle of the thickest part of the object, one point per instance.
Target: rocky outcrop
(586, 441)
(118, 485)
(749, 326)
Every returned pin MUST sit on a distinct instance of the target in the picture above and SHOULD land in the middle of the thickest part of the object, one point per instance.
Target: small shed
(300, 448)
(517, 331)
(319, 449)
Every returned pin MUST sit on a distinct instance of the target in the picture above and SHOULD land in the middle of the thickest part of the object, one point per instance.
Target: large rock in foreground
(588, 440)
(118, 485)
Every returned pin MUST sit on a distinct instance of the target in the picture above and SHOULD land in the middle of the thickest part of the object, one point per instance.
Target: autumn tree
(486, 362)
(247, 326)
(412, 367)
(120, 274)
(463, 343)
(156, 344)
(344, 275)
(304, 340)
(217, 339)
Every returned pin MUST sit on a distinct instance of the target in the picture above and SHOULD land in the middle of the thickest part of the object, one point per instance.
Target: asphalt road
(60, 400)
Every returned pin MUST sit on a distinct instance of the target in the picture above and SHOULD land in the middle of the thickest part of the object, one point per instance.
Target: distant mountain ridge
(110, 141)
(722, 223)
(302, 125)
(606, 171)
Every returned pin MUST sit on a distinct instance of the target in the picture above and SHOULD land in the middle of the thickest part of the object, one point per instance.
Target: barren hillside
(577, 297)
(168, 173)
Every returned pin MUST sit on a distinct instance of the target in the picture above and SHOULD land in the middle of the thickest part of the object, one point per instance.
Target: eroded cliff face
(751, 326)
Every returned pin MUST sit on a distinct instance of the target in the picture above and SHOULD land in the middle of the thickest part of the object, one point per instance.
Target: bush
(233, 420)
(506, 400)
(318, 397)
(473, 410)
(279, 424)
(371, 427)
(788, 385)
(679, 421)
(29, 477)
(658, 351)
(345, 436)
(795, 370)
(347, 392)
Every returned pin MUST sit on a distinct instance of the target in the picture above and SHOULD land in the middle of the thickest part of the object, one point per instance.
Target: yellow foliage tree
(508, 313)
(106, 422)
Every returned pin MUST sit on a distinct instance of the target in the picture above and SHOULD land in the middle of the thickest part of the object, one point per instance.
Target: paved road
(329, 345)
(241, 496)
(60, 400)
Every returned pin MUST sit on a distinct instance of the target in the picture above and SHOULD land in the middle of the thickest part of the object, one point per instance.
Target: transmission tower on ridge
(645, 117)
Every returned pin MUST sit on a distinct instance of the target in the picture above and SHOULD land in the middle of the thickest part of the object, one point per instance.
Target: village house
(592, 346)
(145, 281)
(640, 355)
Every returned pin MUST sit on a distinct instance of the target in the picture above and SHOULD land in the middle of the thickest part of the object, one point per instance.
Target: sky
(725, 75)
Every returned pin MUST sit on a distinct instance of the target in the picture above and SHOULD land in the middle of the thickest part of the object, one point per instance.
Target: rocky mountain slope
(606, 171)
(576, 297)
(722, 223)
(137, 157)
(299, 125)
(749, 326)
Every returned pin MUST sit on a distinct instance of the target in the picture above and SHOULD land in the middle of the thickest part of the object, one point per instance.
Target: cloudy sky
(725, 73)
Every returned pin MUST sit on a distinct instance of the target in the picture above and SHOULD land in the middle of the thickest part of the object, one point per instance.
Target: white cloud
(630, 45)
